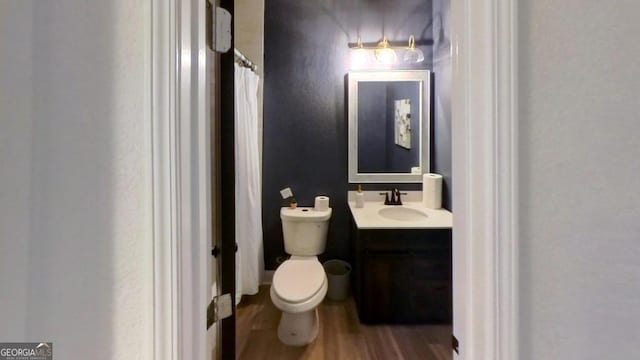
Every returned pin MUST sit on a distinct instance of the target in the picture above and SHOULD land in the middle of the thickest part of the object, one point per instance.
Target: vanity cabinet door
(385, 288)
(406, 288)
(431, 293)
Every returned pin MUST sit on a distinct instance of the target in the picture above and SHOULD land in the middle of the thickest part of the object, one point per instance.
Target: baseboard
(268, 277)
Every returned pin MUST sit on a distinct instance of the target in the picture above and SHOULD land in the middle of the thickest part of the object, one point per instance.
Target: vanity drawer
(431, 266)
(405, 240)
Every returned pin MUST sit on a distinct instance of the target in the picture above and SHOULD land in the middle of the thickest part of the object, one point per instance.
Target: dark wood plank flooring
(341, 335)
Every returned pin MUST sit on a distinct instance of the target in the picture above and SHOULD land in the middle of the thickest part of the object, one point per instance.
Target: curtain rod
(244, 61)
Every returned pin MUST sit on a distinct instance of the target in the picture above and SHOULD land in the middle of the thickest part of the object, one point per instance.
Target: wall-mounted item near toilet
(286, 193)
(389, 122)
(432, 191)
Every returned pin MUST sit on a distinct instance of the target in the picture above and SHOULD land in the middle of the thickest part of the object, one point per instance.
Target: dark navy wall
(305, 127)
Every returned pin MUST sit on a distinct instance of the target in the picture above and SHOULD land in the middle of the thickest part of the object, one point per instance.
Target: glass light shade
(359, 58)
(386, 56)
(384, 53)
(413, 55)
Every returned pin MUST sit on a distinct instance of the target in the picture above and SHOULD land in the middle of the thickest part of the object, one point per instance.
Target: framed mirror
(389, 121)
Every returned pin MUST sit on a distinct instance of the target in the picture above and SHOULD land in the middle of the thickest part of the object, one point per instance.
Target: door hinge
(215, 251)
(455, 344)
(218, 28)
(209, 25)
(220, 307)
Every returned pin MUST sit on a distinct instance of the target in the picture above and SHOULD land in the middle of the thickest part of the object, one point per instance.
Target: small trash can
(338, 272)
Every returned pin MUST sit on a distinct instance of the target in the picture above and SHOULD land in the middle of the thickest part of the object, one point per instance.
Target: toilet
(300, 284)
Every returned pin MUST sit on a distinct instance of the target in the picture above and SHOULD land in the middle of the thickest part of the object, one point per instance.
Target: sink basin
(402, 214)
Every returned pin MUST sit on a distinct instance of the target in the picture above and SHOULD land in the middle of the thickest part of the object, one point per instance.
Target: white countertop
(367, 217)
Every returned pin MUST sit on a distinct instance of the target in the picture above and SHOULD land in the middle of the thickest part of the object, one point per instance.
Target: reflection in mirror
(389, 125)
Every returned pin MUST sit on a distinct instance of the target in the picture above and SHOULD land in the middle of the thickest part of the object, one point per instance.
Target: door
(225, 189)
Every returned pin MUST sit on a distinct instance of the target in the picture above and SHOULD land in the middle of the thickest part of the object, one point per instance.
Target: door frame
(228, 244)
(485, 178)
(485, 144)
(181, 178)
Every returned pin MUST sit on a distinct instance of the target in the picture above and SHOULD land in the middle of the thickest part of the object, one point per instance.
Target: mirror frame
(355, 77)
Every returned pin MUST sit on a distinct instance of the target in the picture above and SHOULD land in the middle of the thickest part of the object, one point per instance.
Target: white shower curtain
(249, 258)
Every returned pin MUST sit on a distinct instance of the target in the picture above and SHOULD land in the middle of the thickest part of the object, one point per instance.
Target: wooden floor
(341, 335)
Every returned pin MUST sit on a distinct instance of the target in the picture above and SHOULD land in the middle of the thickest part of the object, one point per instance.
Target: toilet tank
(305, 230)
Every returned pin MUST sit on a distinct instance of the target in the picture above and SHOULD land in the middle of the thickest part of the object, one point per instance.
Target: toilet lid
(298, 280)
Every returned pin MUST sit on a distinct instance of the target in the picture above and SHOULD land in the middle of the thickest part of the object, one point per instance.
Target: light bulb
(385, 54)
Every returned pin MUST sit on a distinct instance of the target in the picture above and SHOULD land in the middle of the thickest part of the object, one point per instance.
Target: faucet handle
(386, 197)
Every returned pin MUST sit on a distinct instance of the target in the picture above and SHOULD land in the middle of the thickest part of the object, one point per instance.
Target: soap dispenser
(360, 197)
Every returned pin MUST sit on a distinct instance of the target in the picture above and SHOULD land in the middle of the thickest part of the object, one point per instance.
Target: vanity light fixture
(384, 52)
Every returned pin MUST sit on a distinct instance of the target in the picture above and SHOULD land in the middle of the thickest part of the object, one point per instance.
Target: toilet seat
(298, 280)
(301, 307)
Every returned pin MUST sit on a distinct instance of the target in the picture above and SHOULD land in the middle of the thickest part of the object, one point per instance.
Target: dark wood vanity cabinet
(402, 276)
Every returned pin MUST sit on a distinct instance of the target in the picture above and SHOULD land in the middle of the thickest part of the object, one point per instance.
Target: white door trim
(180, 177)
(485, 207)
(163, 123)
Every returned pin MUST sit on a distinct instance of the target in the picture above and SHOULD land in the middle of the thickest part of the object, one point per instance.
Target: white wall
(249, 30)
(75, 219)
(580, 179)
(16, 94)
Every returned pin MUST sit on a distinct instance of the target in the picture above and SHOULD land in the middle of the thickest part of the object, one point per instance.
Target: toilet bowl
(299, 286)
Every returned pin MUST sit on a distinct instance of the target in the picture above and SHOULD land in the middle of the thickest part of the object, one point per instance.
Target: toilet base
(299, 329)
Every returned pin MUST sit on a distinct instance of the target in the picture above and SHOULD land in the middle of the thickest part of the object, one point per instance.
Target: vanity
(402, 262)
(402, 253)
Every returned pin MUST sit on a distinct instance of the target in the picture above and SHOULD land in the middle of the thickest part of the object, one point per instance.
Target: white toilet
(300, 284)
